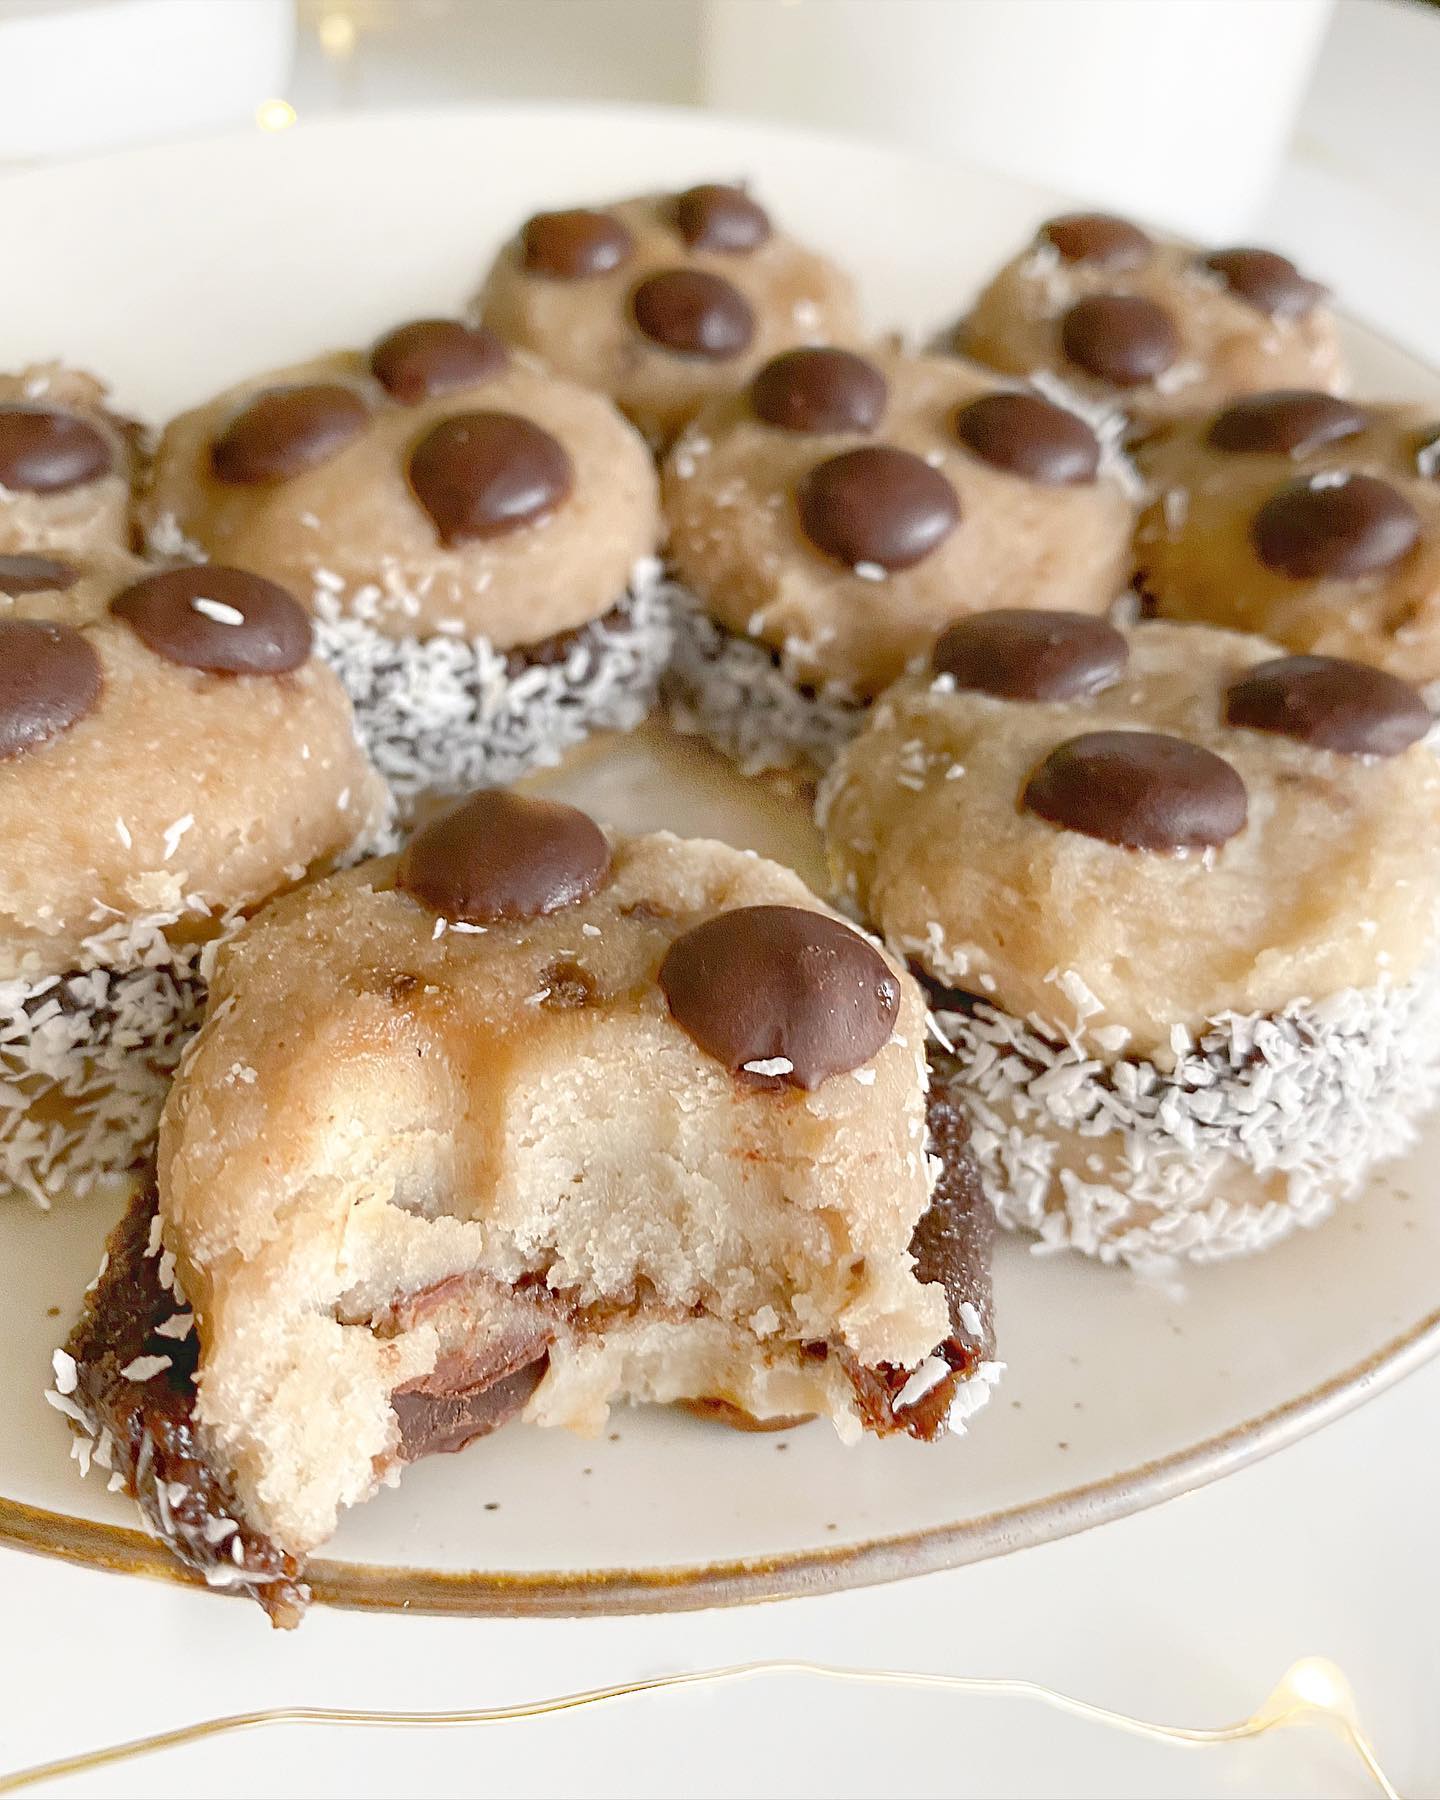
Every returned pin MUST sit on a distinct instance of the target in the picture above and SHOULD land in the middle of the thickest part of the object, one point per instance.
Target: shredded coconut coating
(447, 714)
(1260, 1127)
(733, 692)
(85, 1062)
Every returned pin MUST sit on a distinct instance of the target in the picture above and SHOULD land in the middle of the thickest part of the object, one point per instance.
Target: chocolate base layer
(1258, 1127)
(445, 715)
(735, 693)
(128, 1371)
(126, 1376)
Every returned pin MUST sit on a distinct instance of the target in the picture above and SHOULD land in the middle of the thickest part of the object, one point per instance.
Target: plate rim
(693, 1587)
(729, 1582)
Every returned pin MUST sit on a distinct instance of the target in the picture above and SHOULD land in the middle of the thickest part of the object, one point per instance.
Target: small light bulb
(337, 34)
(1316, 1682)
(274, 115)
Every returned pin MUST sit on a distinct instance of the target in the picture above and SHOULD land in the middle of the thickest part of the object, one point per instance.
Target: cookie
(1151, 326)
(1310, 519)
(171, 753)
(430, 1062)
(476, 538)
(67, 464)
(1175, 893)
(663, 302)
(831, 520)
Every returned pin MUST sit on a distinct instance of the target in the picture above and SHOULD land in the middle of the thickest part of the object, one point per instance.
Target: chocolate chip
(1330, 703)
(724, 219)
(819, 390)
(1270, 283)
(482, 474)
(1334, 528)
(1427, 453)
(1140, 789)
(780, 984)
(281, 432)
(435, 356)
(46, 451)
(50, 679)
(1030, 437)
(1122, 338)
(224, 621)
(694, 313)
(575, 244)
(35, 575)
(502, 856)
(877, 505)
(1098, 238)
(1018, 655)
(1288, 422)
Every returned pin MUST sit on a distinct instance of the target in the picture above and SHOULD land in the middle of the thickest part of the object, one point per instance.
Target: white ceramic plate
(174, 271)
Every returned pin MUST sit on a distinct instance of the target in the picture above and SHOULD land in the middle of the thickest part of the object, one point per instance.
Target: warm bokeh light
(337, 34)
(274, 115)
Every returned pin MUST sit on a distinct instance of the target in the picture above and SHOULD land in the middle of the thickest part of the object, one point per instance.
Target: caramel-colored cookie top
(665, 301)
(1152, 326)
(67, 464)
(166, 757)
(848, 506)
(438, 485)
(1201, 826)
(1313, 520)
(452, 1042)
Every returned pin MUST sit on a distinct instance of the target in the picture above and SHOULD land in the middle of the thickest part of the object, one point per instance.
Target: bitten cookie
(411, 1187)
(1309, 518)
(67, 463)
(1152, 326)
(476, 538)
(830, 521)
(665, 301)
(1176, 894)
(171, 753)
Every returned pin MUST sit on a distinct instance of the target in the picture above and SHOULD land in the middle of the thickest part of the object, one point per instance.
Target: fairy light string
(1312, 1689)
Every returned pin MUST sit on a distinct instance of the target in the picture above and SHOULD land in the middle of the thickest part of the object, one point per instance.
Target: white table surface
(1187, 1613)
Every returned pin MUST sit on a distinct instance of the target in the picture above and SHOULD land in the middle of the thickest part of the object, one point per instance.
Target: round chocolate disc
(1331, 703)
(1122, 338)
(694, 313)
(482, 474)
(1143, 790)
(793, 991)
(819, 390)
(1031, 438)
(435, 356)
(1018, 655)
(1098, 238)
(50, 678)
(1325, 528)
(35, 575)
(502, 856)
(571, 245)
(281, 432)
(723, 219)
(46, 451)
(1270, 283)
(877, 505)
(224, 621)
(1288, 422)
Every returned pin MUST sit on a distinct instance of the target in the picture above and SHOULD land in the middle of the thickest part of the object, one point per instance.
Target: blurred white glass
(82, 75)
(1175, 110)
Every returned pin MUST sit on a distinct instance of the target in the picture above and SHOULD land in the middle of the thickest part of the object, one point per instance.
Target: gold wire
(1286, 1704)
